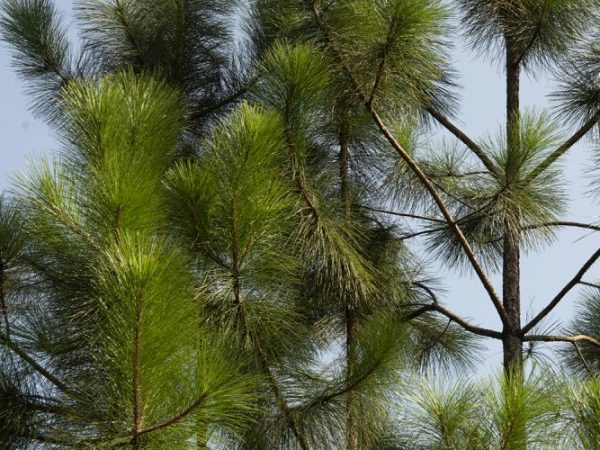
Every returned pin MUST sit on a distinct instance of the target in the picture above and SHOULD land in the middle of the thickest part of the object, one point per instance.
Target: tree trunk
(352, 439)
(512, 340)
(511, 279)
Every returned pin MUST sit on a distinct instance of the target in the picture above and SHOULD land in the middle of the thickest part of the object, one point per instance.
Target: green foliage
(486, 204)
(587, 313)
(540, 32)
(41, 49)
(396, 50)
(478, 416)
(293, 81)
(583, 410)
(577, 94)
(119, 323)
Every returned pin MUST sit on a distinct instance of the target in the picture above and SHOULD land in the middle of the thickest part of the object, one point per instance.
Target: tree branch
(38, 368)
(428, 290)
(262, 356)
(410, 216)
(175, 419)
(380, 69)
(579, 134)
(564, 291)
(563, 224)
(461, 136)
(199, 113)
(410, 162)
(593, 285)
(456, 319)
(570, 339)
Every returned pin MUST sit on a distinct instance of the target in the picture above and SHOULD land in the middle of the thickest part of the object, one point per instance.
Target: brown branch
(579, 134)
(438, 339)
(241, 305)
(563, 224)
(467, 218)
(197, 114)
(593, 285)
(38, 368)
(564, 291)
(527, 47)
(420, 233)
(569, 339)
(136, 388)
(456, 319)
(175, 419)
(380, 69)
(461, 136)
(410, 216)
(428, 290)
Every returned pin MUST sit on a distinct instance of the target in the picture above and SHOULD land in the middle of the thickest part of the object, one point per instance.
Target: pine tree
(215, 258)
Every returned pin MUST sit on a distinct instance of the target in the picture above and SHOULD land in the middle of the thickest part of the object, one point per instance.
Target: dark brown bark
(512, 337)
(511, 276)
(512, 340)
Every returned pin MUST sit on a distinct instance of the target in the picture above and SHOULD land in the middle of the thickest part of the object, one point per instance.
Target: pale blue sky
(482, 99)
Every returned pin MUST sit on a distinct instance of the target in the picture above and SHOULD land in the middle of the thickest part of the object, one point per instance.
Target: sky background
(24, 139)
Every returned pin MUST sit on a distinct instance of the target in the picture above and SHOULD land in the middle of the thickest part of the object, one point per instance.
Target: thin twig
(407, 215)
(438, 339)
(583, 360)
(455, 318)
(3, 304)
(175, 419)
(593, 285)
(38, 368)
(579, 134)
(471, 145)
(586, 226)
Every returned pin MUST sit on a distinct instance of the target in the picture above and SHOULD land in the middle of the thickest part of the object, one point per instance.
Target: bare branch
(38, 368)
(233, 97)
(564, 291)
(456, 319)
(593, 285)
(461, 136)
(438, 339)
(421, 233)
(569, 339)
(579, 134)
(176, 418)
(409, 216)
(428, 290)
(563, 224)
